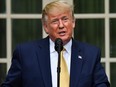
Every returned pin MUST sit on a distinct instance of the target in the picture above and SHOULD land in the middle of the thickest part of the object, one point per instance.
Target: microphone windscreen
(58, 44)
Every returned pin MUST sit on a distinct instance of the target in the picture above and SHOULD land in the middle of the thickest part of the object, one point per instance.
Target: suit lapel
(76, 64)
(44, 61)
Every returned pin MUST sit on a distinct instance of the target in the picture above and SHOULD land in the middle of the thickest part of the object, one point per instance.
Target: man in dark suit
(34, 64)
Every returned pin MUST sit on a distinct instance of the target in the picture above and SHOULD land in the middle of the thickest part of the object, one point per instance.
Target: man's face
(60, 25)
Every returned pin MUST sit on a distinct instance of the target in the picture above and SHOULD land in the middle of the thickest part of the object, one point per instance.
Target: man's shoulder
(89, 45)
(32, 44)
(86, 46)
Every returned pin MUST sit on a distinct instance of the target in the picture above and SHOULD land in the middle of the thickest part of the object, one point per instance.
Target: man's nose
(61, 25)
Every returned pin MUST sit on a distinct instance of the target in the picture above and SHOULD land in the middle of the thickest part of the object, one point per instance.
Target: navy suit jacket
(31, 66)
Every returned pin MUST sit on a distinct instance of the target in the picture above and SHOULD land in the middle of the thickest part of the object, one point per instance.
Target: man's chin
(65, 40)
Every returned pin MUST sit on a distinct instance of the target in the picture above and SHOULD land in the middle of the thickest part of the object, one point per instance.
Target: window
(20, 21)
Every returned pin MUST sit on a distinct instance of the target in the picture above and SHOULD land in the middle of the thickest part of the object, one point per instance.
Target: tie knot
(64, 49)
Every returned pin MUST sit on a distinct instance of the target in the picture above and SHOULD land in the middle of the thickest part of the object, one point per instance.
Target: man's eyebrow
(64, 17)
(55, 19)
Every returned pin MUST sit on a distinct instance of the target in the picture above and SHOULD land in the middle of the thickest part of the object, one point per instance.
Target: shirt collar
(67, 46)
(51, 46)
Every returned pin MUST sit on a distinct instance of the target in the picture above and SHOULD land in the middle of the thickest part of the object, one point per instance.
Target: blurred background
(20, 21)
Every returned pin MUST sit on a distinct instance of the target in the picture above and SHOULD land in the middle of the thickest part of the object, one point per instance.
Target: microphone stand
(58, 70)
(58, 48)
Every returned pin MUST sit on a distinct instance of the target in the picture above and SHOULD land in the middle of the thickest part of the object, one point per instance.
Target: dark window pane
(113, 37)
(113, 74)
(89, 6)
(91, 31)
(26, 6)
(2, 38)
(2, 6)
(26, 30)
(3, 71)
(113, 6)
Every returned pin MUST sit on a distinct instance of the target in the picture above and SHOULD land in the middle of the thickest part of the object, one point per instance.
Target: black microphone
(58, 45)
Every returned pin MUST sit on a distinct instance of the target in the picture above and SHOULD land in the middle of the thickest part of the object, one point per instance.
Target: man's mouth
(62, 33)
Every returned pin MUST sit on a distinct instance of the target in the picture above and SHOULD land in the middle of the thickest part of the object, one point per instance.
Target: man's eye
(54, 21)
(65, 19)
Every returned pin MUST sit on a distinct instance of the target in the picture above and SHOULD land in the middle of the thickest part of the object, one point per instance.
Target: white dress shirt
(54, 60)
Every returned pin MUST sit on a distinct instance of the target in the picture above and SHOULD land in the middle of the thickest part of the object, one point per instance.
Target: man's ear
(45, 28)
(73, 21)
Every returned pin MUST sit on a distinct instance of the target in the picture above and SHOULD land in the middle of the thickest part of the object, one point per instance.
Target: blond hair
(59, 4)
